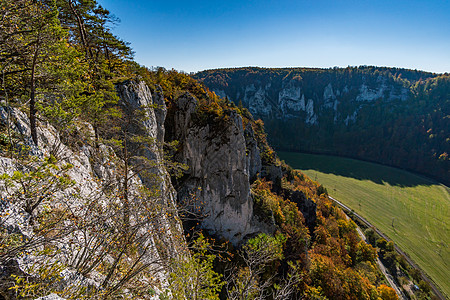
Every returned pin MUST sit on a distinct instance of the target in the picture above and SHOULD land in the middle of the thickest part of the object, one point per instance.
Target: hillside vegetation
(413, 211)
(392, 116)
(89, 183)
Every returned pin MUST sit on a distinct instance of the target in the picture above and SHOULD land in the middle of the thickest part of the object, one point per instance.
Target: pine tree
(34, 51)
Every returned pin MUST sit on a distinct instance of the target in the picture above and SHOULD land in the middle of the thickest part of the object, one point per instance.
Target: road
(382, 268)
(436, 291)
(388, 276)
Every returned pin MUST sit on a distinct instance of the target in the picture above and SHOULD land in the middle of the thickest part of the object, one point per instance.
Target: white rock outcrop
(294, 100)
(222, 159)
(92, 169)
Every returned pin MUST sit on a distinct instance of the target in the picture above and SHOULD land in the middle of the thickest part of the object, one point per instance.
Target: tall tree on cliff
(33, 51)
(106, 55)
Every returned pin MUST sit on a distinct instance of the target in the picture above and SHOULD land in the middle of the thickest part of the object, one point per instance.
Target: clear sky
(194, 35)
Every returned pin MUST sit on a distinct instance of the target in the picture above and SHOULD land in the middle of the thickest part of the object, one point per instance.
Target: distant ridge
(393, 116)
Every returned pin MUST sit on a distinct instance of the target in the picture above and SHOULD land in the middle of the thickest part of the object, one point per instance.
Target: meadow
(410, 209)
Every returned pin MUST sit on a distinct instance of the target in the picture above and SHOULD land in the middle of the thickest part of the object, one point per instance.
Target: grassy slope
(418, 207)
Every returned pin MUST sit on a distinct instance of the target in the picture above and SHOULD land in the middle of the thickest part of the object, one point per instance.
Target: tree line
(409, 130)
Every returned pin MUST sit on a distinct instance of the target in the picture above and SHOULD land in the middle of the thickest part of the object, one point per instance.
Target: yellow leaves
(387, 293)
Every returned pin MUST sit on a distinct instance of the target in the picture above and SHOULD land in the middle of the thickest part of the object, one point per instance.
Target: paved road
(436, 291)
(388, 276)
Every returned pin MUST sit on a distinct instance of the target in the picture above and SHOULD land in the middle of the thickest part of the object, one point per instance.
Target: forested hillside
(392, 116)
(120, 182)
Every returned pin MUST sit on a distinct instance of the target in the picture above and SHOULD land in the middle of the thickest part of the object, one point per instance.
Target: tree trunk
(33, 98)
(8, 119)
(82, 30)
(126, 204)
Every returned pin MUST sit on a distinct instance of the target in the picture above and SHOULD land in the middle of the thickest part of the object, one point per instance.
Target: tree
(192, 276)
(387, 293)
(34, 51)
(89, 29)
(425, 286)
(30, 190)
(247, 282)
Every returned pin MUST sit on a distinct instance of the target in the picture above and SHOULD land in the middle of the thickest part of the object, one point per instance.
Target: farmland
(412, 210)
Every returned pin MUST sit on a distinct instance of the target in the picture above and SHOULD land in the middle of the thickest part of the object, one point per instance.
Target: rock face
(92, 169)
(281, 95)
(254, 164)
(292, 102)
(222, 159)
(256, 100)
(140, 103)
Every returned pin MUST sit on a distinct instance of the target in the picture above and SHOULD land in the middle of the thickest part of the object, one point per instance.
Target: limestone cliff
(92, 198)
(371, 113)
(289, 98)
(119, 186)
(222, 158)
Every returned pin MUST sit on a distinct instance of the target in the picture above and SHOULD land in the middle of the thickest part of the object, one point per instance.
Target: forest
(404, 123)
(110, 231)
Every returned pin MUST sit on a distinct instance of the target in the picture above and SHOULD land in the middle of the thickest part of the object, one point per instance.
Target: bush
(321, 190)
(425, 286)
(381, 243)
(193, 277)
(370, 235)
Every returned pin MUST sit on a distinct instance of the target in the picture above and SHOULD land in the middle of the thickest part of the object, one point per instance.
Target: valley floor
(411, 210)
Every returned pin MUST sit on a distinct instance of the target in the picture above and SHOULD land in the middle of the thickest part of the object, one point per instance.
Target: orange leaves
(262, 184)
(336, 280)
(387, 293)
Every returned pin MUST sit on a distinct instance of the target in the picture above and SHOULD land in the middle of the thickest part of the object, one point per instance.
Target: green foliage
(253, 280)
(370, 236)
(193, 276)
(382, 243)
(409, 131)
(321, 190)
(380, 194)
(272, 207)
(46, 276)
(265, 248)
(267, 154)
(36, 59)
(37, 185)
(424, 286)
(66, 74)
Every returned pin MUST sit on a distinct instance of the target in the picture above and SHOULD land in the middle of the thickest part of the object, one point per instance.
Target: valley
(128, 178)
(396, 117)
(411, 210)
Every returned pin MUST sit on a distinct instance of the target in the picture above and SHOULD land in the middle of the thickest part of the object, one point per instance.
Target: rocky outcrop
(294, 102)
(94, 170)
(254, 163)
(149, 112)
(311, 99)
(255, 98)
(222, 157)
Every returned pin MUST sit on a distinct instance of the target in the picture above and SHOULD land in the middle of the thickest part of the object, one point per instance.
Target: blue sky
(204, 34)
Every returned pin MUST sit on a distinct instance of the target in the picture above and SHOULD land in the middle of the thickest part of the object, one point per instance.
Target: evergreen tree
(34, 52)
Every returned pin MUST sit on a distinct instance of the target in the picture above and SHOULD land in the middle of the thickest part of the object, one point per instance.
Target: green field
(412, 210)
